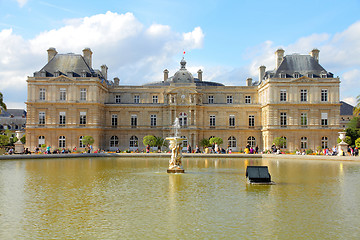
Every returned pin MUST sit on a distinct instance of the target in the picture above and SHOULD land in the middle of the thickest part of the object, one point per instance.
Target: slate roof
(301, 64)
(66, 63)
(346, 109)
(17, 113)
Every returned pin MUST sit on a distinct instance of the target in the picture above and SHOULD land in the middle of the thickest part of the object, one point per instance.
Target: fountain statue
(175, 165)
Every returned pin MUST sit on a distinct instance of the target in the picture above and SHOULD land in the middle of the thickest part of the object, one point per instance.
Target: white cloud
(350, 100)
(133, 52)
(22, 2)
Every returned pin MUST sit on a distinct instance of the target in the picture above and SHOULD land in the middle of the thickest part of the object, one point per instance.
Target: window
(303, 142)
(283, 95)
(41, 117)
(303, 95)
(324, 95)
(232, 121)
(114, 120)
(82, 94)
(183, 120)
(282, 75)
(310, 75)
(133, 141)
(210, 99)
(284, 145)
(81, 144)
(136, 99)
(133, 121)
(303, 119)
(324, 119)
(82, 118)
(251, 120)
(296, 75)
(324, 142)
(41, 141)
(251, 141)
(185, 142)
(114, 141)
(323, 75)
(283, 119)
(247, 99)
(229, 99)
(117, 98)
(42, 94)
(62, 94)
(62, 118)
(212, 120)
(62, 142)
(155, 99)
(232, 141)
(153, 120)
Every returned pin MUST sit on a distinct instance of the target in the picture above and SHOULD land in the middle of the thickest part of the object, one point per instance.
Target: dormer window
(310, 75)
(83, 73)
(282, 75)
(43, 73)
(57, 73)
(70, 74)
(323, 75)
(296, 75)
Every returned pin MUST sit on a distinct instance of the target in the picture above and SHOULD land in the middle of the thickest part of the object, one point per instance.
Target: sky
(138, 39)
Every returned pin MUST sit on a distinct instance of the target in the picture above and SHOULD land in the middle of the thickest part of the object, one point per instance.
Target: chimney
(200, 74)
(279, 56)
(261, 73)
(104, 70)
(166, 74)
(87, 53)
(116, 81)
(51, 53)
(249, 82)
(315, 54)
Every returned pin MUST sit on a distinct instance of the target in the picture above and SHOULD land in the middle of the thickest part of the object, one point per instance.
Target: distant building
(13, 120)
(68, 99)
(346, 113)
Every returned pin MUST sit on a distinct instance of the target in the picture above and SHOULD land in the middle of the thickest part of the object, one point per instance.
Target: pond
(132, 198)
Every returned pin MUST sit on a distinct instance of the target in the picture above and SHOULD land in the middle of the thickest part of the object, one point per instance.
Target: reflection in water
(114, 198)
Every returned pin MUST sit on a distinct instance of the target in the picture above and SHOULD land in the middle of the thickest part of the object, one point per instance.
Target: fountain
(175, 165)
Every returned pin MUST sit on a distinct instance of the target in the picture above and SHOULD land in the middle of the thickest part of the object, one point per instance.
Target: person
(256, 149)
(197, 149)
(246, 150)
(11, 151)
(356, 151)
(148, 148)
(27, 151)
(188, 148)
(216, 148)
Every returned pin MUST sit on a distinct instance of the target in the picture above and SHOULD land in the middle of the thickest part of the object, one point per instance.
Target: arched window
(134, 141)
(324, 142)
(284, 145)
(303, 142)
(185, 142)
(81, 144)
(41, 141)
(183, 120)
(251, 141)
(232, 141)
(62, 142)
(114, 141)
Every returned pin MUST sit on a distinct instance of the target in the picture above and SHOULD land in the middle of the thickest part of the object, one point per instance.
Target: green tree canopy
(23, 139)
(356, 110)
(2, 104)
(150, 139)
(357, 142)
(217, 140)
(205, 142)
(159, 142)
(88, 140)
(347, 140)
(279, 141)
(4, 140)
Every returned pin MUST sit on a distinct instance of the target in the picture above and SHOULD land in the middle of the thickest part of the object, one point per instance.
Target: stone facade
(68, 99)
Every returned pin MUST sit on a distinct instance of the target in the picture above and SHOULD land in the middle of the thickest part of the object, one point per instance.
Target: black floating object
(258, 175)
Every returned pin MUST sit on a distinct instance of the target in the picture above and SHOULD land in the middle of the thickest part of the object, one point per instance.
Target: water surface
(124, 198)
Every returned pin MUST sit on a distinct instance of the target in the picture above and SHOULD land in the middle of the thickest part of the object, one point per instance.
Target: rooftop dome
(183, 75)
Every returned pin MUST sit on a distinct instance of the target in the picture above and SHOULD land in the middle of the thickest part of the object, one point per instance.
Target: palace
(68, 99)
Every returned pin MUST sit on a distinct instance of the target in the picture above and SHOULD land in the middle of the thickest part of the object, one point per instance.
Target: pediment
(62, 78)
(303, 79)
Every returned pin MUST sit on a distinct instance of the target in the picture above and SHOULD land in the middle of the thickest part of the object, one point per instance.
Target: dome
(183, 75)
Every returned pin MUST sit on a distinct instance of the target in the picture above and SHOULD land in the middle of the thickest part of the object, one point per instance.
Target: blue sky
(137, 40)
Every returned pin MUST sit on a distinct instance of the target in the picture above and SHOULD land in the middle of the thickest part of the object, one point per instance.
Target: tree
(279, 142)
(205, 142)
(149, 139)
(347, 140)
(23, 139)
(4, 140)
(356, 110)
(88, 140)
(2, 104)
(217, 140)
(357, 142)
(159, 142)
